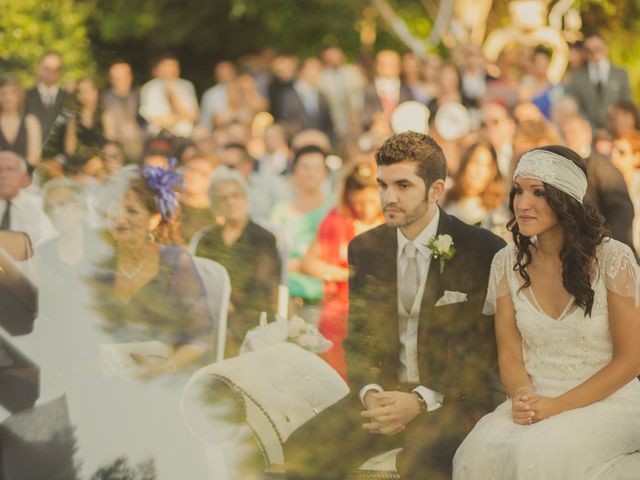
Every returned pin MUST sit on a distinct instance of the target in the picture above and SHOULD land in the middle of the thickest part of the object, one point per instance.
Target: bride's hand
(520, 406)
(544, 407)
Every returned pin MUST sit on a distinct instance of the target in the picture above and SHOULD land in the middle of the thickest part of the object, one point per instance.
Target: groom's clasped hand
(388, 413)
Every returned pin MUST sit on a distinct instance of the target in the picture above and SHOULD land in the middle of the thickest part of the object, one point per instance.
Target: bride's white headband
(554, 169)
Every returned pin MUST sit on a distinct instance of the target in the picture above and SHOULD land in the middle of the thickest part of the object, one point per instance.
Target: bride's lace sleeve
(621, 272)
(498, 279)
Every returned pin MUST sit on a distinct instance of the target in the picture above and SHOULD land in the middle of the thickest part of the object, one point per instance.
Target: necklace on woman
(130, 274)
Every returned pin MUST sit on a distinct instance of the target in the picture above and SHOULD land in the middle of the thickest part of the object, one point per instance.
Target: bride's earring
(151, 238)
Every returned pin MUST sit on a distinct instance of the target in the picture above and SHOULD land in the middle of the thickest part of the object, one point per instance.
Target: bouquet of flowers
(296, 330)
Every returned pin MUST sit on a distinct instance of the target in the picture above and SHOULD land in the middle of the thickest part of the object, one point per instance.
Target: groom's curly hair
(583, 228)
(417, 148)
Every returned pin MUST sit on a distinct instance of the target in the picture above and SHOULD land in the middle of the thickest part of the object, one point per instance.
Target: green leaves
(29, 28)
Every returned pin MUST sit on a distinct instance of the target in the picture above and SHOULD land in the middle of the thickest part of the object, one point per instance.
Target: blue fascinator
(163, 181)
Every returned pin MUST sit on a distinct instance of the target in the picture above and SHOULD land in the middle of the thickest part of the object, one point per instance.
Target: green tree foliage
(29, 28)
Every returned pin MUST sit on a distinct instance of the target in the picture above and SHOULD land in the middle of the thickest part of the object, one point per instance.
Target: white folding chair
(218, 289)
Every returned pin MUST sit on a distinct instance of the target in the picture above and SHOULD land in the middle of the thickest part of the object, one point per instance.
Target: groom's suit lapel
(387, 298)
(433, 289)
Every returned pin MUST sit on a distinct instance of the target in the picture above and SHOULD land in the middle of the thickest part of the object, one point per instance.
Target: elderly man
(245, 249)
(20, 211)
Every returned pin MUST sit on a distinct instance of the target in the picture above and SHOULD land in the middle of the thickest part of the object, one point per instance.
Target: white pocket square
(450, 297)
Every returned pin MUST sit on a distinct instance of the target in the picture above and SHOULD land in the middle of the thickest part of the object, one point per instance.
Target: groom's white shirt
(408, 325)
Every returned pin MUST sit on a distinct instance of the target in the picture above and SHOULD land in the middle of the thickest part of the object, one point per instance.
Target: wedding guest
(114, 157)
(342, 84)
(536, 87)
(565, 300)
(21, 211)
(477, 172)
(246, 250)
(387, 90)
(412, 77)
(121, 103)
(275, 160)
(450, 89)
(599, 84)
(606, 189)
(243, 102)
(473, 74)
(196, 209)
(46, 98)
(624, 117)
(625, 156)
(304, 106)
(19, 131)
(284, 68)
(215, 99)
(358, 210)
(83, 128)
(299, 220)
(265, 191)
(168, 101)
(499, 128)
(150, 288)
(65, 260)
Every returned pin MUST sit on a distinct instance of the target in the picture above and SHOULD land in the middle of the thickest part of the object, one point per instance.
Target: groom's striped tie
(408, 287)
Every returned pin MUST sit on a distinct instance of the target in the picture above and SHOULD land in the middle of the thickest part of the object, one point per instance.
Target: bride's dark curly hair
(583, 228)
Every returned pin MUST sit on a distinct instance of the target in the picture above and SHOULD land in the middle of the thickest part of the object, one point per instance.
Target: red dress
(334, 235)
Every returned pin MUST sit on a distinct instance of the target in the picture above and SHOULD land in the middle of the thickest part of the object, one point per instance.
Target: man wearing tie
(387, 90)
(303, 105)
(20, 211)
(45, 99)
(599, 84)
(421, 356)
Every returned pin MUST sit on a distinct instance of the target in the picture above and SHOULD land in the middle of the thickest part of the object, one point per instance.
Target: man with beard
(421, 356)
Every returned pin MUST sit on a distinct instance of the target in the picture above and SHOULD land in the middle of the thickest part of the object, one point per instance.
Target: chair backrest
(279, 388)
(218, 289)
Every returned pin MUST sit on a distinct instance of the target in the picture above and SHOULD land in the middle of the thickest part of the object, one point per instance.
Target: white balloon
(410, 115)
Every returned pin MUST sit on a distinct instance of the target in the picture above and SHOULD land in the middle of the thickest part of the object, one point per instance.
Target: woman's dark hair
(168, 231)
(583, 229)
(456, 192)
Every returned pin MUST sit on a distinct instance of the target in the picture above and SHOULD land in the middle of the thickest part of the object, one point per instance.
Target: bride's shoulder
(506, 253)
(611, 248)
(613, 255)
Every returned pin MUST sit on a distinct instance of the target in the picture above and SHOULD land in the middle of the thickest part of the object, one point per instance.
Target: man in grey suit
(599, 84)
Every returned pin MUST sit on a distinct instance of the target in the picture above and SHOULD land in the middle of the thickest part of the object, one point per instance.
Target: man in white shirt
(20, 211)
(421, 356)
(169, 101)
(215, 99)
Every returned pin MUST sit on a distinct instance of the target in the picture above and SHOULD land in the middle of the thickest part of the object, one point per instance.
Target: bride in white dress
(566, 303)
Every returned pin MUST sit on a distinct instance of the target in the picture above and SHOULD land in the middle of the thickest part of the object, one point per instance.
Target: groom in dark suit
(421, 356)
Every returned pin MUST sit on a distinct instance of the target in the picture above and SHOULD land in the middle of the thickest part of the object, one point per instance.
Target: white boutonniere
(442, 248)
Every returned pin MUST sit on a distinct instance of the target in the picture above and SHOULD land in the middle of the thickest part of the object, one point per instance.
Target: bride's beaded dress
(559, 353)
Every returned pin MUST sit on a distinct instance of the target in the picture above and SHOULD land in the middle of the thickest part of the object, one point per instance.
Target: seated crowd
(271, 175)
